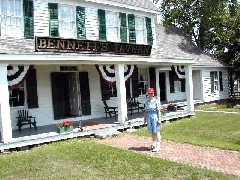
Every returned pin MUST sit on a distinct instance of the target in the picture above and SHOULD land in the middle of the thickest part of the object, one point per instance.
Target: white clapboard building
(61, 59)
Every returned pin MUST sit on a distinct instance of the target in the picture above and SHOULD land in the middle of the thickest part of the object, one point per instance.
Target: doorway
(68, 88)
(162, 85)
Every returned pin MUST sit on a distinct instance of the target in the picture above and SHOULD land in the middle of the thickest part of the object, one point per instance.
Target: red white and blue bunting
(15, 75)
(108, 72)
(179, 70)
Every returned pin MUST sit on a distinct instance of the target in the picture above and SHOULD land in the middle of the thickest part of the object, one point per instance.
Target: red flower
(64, 124)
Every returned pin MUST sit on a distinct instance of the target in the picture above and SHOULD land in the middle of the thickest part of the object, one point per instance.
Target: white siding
(217, 95)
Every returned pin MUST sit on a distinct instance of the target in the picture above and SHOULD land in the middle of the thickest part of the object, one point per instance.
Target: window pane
(112, 26)
(17, 96)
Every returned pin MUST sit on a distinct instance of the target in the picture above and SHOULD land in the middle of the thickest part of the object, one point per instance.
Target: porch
(99, 127)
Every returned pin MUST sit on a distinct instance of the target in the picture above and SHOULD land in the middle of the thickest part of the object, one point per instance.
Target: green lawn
(230, 105)
(85, 159)
(219, 130)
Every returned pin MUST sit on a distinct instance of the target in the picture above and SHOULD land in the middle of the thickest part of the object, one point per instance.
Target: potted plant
(65, 126)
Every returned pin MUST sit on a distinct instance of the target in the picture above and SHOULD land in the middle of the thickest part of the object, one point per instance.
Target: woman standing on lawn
(152, 116)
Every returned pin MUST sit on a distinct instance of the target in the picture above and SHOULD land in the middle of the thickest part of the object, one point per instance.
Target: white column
(121, 93)
(157, 84)
(5, 119)
(189, 88)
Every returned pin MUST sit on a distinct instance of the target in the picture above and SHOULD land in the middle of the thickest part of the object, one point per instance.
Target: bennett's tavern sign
(89, 46)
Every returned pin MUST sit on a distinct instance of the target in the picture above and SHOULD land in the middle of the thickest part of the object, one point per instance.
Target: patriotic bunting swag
(108, 72)
(15, 75)
(180, 71)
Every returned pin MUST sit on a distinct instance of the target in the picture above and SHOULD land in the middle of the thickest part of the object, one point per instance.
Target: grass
(85, 159)
(218, 130)
(230, 105)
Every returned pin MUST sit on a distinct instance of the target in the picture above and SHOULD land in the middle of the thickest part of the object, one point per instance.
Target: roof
(173, 43)
(145, 4)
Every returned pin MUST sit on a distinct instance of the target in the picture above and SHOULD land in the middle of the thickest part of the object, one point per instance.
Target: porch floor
(45, 134)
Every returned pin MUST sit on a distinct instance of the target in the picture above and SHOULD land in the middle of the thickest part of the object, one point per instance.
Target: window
(67, 24)
(143, 80)
(112, 23)
(17, 96)
(140, 30)
(53, 19)
(176, 84)
(11, 18)
(216, 81)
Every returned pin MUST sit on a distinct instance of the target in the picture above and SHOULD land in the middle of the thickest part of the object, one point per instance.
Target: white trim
(88, 59)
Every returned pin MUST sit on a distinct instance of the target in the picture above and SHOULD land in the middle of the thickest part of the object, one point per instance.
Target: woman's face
(150, 94)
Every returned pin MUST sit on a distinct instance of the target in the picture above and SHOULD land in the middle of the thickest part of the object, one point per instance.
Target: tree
(214, 26)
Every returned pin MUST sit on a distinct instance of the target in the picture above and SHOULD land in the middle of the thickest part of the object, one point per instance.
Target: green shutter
(31, 84)
(220, 81)
(28, 19)
(80, 19)
(102, 24)
(53, 19)
(123, 27)
(149, 31)
(212, 81)
(131, 28)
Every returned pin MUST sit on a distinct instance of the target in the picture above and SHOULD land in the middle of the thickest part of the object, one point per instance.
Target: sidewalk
(211, 158)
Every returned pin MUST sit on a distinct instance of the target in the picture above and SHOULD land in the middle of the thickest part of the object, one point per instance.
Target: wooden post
(5, 119)
(121, 93)
(189, 88)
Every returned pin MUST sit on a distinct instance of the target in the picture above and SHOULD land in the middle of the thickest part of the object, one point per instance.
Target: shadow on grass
(142, 148)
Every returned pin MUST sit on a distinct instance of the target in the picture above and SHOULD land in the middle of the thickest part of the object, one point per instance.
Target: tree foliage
(214, 26)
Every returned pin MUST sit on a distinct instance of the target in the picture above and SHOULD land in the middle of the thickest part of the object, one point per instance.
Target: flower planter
(60, 129)
(164, 113)
(68, 128)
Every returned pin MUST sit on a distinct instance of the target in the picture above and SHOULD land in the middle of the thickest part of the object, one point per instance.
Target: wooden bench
(111, 111)
(25, 119)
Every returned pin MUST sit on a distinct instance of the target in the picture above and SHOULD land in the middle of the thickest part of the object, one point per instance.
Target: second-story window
(140, 30)
(67, 24)
(11, 18)
(112, 25)
(53, 19)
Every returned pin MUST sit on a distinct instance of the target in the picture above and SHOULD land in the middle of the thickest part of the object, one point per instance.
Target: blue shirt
(152, 106)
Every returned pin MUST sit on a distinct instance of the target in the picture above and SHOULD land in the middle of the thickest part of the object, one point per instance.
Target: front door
(66, 95)
(162, 85)
(74, 98)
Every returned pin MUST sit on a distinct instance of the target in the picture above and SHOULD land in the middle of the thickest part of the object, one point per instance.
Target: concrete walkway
(211, 158)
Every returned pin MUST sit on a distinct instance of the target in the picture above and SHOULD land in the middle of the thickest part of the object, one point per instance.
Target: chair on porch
(133, 104)
(24, 119)
(111, 111)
